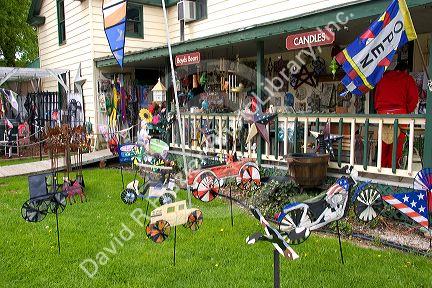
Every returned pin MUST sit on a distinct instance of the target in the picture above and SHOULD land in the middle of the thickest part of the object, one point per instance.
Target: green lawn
(7, 162)
(214, 256)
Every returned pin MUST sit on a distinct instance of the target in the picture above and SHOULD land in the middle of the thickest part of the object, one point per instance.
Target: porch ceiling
(362, 13)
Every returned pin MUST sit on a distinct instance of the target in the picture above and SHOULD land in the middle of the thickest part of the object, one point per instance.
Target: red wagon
(206, 182)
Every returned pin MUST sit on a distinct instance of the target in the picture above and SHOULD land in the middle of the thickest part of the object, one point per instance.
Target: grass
(214, 256)
(14, 161)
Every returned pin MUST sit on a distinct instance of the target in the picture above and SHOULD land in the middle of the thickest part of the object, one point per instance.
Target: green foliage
(274, 195)
(18, 40)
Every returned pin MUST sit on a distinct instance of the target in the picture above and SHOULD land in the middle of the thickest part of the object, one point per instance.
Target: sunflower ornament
(145, 115)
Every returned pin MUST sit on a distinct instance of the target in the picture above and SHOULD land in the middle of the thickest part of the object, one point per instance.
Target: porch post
(167, 85)
(427, 152)
(259, 94)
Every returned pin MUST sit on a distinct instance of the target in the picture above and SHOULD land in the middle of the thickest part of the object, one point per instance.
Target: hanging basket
(308, 170)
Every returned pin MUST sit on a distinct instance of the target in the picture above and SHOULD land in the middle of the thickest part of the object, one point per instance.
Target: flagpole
(180, 122)
(423, 59)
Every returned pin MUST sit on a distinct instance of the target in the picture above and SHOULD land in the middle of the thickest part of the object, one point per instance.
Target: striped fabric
(367, 58)
(114, 13)
(412, 204)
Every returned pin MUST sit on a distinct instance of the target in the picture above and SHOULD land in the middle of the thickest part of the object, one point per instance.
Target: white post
(411, 147)
(379, 157)
(306, 134)
(285, 142)
(352, 144)
(182, 138)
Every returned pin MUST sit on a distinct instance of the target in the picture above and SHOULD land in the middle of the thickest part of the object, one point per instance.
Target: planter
(308, 170)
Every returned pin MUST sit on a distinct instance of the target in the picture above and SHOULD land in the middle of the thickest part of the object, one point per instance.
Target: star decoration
(79, 80)
(405, 199)
(421, 196)
(413, 203)
(421, 209)
(206, 132)
(120, 37)
(304, 77)
(258, 122)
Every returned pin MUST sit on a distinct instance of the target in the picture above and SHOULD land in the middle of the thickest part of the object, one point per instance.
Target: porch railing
(361, 147)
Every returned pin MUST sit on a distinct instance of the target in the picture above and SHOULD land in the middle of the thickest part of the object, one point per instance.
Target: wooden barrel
(308, 170)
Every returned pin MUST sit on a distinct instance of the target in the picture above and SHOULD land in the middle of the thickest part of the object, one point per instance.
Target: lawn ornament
(258, 121)
(325, 140)
(46, 196)
(149, 190)
(206, 182)
(271, 235)
(172, 215)
(297, 220)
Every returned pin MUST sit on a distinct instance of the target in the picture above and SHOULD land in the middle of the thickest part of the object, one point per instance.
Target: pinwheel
(146, 115)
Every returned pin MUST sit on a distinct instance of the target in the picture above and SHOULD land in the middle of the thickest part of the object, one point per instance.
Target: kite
(114, 14)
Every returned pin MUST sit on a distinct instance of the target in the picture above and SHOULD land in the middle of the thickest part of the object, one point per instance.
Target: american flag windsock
(413, 204)
(10, 97)
(273, 236)
(367, 58)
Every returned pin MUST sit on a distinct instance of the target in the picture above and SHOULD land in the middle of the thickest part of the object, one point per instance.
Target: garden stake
(276, 269)
(175, 243)
(58, 232)
(231, 208)
(148, 202)
(121, 172)
(340, 242)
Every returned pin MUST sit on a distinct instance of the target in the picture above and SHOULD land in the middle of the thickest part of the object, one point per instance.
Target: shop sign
(312, 38)
(188, 59)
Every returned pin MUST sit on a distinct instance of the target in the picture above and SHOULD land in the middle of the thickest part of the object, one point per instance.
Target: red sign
(188, 59)
(312, 38)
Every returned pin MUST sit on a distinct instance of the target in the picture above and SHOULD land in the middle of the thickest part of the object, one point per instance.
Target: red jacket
(396, 93)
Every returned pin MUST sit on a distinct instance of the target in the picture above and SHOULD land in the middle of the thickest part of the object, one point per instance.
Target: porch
(361, 146)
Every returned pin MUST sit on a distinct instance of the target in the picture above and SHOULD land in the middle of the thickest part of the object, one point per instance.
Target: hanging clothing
(396, 93)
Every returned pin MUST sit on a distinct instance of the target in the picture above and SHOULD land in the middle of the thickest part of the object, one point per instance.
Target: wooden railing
(361, 146)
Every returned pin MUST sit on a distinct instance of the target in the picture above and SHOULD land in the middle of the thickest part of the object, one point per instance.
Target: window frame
(61, 22)
(140, 33)
(198, 10)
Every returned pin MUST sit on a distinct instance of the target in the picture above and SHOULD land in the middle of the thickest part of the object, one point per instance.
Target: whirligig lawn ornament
(46, 196)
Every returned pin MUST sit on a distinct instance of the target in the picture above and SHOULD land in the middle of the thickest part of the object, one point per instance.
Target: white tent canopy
(18, 74)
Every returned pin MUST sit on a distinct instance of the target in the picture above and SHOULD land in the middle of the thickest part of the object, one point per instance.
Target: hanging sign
(188, 59)
(312, 39)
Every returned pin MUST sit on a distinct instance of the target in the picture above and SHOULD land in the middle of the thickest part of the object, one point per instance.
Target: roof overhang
(33, 17)
(318, 18)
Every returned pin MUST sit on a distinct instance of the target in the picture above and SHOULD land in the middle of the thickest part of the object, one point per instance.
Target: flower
(156, 120)
(146, 115)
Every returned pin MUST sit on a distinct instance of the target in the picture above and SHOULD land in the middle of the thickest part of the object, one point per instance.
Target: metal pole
(276, 269)
(340, 242)
(58, 232)
(175, 243)
(259, 94)
(173, 78)
(427, 155)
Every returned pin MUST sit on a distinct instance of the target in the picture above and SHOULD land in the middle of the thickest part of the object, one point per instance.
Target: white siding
(77, 48)
(229, 15)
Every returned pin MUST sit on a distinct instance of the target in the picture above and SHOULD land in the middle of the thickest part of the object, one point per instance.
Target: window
(201, 6)
(61, 22)
(170, 209)
(134, 20)
(181, 207)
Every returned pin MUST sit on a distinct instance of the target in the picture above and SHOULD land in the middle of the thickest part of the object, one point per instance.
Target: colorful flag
(114, 13)
(413, 204)
(10, 97)
(368, 57)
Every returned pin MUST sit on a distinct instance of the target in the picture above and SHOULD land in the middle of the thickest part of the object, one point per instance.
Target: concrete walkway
(45, 165)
